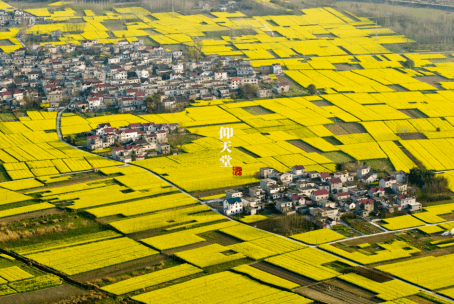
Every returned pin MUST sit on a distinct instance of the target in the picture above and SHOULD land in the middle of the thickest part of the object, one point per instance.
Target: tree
(31, 102)
(409, 64)
(71, 139)
(178, 138)
(152, 103)
(431, 187)
(247, 91)
(219, 65)
(232, 95)
(312, 89)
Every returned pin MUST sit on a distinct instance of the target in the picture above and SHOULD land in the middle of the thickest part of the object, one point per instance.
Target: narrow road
(60, 137)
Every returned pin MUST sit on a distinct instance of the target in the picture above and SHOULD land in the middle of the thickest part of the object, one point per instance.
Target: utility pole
(173, 11)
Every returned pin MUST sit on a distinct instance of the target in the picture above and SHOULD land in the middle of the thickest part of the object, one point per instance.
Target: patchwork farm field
(126, 231)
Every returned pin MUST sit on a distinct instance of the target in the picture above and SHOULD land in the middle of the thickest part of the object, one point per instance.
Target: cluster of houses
(120, 76)
(133, 142)
(322, 196)
(15, 18)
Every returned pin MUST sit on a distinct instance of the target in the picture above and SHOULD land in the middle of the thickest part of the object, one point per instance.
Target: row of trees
(249, 91)
(430, 187)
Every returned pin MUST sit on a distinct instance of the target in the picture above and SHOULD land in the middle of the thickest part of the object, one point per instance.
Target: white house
(298, 170)
(231, 193)
(276, 68)
(369, 178)
(399, 188)
(142, 74)
(362, 171)
(349, 205)
(114, 60)
(266, 183)
(401, 176)
(283, 206)
(376, 192)
(220, 75)
(408, 202)
(387, 182)
(178, 68)
(344, 176)
(233, 205)
(235, 83)
(285, 177)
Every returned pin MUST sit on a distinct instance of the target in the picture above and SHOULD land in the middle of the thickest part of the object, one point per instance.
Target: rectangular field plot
(429, 272)
(185, 237)
(8, 197)
(265, 247)
(14, 273)
(307, 262)
(208, 255)
(388, 291)
(21, 185)
(83, 258)
(110, 194)
(145, 206)
(36, 283)
(441, 209)
(71, 241)
(265, 277)
(25, 209)
(318, 236)
(431, 229)
(221, 287)
(393, 251)
(402, 222)
(245, 233)
(151, 279)
(398, 158)
(429, 217)
(198, 214)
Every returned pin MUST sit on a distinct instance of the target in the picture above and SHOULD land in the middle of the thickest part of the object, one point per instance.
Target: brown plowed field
(303, 146)
(121, 268)
(53, 294)
(338, 293)
(336, 129)
(283, 273)
(351, 288)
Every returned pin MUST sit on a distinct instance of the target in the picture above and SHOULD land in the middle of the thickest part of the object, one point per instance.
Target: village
(120, 77)
(323, 197)
(133, 142)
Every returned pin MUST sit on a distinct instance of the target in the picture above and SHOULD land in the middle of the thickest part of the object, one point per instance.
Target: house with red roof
(376, 192)
(365, 207)
(319, 195)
